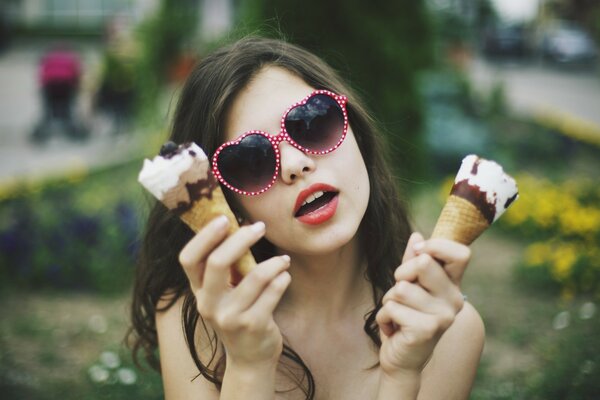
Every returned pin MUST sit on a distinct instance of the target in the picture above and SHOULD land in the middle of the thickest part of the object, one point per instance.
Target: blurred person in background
(343, 304)
(59, 77)
(116, 93)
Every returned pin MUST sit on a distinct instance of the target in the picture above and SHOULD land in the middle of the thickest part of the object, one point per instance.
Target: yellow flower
(582, 221)
(545, 212)
(536, 254)
(564, 258)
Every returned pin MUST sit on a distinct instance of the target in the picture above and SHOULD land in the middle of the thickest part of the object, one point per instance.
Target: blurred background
(87, 89)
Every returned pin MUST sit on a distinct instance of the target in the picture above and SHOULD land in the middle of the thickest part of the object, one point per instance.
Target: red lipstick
(323, 213)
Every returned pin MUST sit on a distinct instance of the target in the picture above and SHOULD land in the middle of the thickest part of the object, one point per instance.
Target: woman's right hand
(242, 316)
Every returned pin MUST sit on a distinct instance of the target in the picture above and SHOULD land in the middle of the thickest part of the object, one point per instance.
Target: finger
(268, 300)
(253, 285)
(453, 255)
(432, 278)
(413, 296)
(417, 327)
(197, 249)
(393, 316)
(424, 270)
(410, 251)
(218, 263)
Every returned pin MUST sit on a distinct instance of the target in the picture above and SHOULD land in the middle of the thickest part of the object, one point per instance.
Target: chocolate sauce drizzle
(198, 190)
(474, 195)
(475, 167)
(510, 200)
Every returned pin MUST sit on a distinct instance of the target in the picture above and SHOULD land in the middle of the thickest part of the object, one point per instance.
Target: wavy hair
(200, 116)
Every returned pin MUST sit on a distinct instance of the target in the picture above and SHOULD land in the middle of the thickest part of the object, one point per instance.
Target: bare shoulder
(178, 369)
(451, 371)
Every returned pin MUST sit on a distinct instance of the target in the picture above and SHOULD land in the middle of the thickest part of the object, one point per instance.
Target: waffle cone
(205, 210)
(460, 220)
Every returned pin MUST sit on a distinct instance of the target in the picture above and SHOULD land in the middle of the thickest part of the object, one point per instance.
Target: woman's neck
(328, 287)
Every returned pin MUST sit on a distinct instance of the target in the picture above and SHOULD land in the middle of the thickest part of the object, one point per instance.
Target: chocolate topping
(474, 195)
(510, 200)
(475, 167)
(169, 149)
(197, 190)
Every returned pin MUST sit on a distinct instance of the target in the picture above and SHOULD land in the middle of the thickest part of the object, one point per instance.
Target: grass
(49, 340)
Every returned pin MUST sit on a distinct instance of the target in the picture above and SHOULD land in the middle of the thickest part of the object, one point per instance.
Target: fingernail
(286, 258)
(258, 227)
(419, 246)
(221, 222)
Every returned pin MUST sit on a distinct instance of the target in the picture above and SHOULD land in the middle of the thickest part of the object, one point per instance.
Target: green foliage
(451, 27)
(162, 37)
(497, 104)
(71, 235)
(379, 45)
(570, 363)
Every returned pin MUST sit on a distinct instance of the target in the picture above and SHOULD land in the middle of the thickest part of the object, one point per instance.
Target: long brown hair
(200, 117)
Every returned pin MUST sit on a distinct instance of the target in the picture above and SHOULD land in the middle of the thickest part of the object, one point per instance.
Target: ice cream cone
(181, 178)
(481, 193)
(460, 221)
(205, 210)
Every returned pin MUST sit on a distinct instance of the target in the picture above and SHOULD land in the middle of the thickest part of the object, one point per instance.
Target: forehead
(261, 104)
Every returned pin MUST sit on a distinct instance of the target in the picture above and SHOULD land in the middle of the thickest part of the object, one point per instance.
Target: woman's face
(259, 106)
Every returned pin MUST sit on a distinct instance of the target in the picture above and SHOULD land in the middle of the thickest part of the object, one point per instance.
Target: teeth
(313, 197)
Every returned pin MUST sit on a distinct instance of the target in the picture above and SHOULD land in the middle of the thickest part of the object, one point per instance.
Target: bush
(79, 234)
(563, 219)
(163, 39)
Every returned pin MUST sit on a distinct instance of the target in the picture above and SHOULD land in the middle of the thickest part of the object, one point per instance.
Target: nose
(295, 164)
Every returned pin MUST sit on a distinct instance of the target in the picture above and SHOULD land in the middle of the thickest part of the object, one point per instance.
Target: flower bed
(563, 222)
(79, 232)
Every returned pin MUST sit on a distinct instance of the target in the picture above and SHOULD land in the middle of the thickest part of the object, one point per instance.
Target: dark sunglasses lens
(249, 165)
(317, 125)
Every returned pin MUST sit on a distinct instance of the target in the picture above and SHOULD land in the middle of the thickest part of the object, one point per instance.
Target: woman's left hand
(422, 304)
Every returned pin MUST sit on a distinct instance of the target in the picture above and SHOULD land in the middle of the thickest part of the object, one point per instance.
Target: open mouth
(315, 202)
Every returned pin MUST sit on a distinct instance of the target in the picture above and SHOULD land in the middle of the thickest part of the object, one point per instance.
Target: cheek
(261, 208)
(354, 168)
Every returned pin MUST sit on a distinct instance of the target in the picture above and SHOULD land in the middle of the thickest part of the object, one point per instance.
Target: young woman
(345, 303)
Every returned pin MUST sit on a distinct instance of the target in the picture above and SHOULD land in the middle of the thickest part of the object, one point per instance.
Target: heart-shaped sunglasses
(250, 164)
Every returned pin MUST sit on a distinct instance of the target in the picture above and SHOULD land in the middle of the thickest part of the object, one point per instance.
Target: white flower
(587, 367)
(587, 310)
(561, 320)
(98, 374)
(127, 376)
(97, 323)
(110, 359)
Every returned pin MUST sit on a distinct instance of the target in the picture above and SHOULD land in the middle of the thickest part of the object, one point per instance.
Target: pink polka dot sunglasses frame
(283, 135)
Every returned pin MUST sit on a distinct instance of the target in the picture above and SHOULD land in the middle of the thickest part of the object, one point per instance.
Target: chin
(326, 241)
